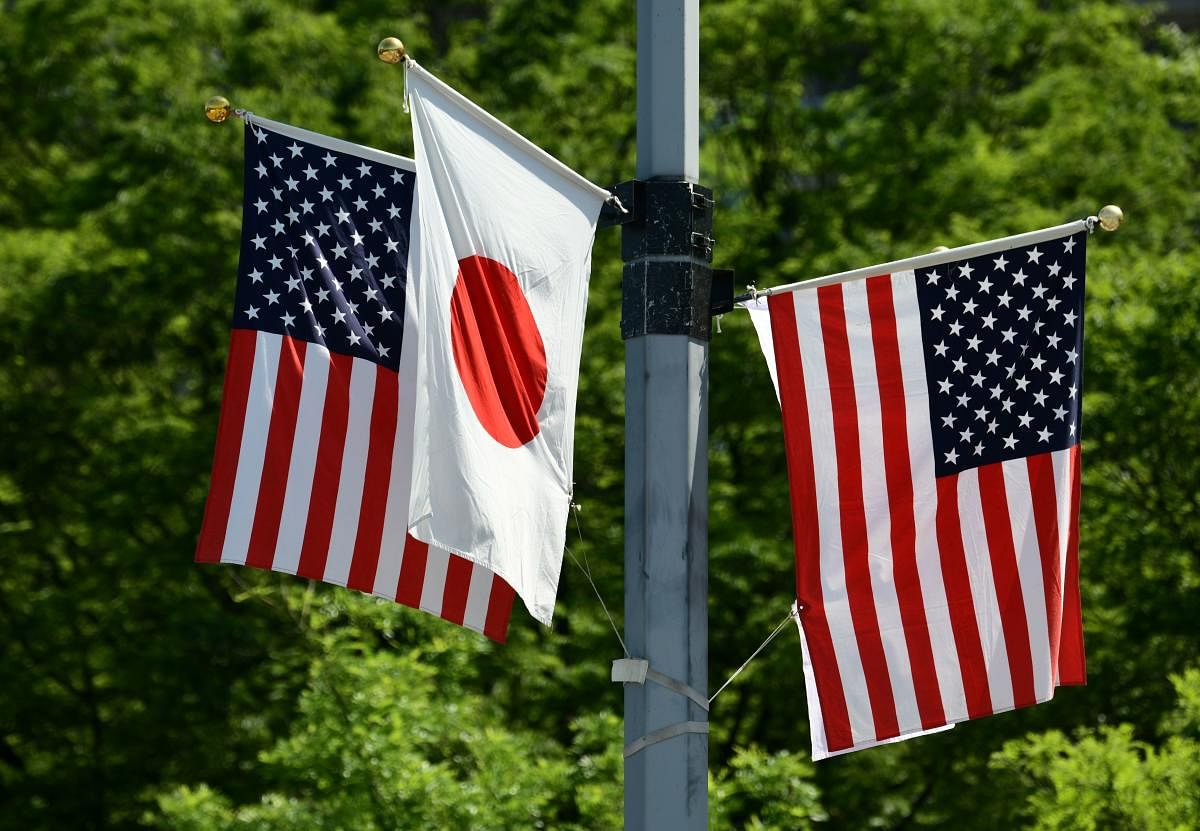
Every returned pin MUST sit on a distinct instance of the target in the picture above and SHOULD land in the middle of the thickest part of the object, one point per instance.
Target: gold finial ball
(1111, 217)
(391, 50)
(217, 109)
(939, 249)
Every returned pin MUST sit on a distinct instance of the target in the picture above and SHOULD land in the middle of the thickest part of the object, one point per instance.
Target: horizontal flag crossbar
(935, 258)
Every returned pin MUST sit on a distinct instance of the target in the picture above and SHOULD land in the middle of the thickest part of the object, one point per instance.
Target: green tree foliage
(139, 689)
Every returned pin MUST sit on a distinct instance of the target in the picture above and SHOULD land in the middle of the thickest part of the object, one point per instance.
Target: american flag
(932, 426)
(313, 461)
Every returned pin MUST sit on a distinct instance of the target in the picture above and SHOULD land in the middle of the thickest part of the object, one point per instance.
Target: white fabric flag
(500, 257)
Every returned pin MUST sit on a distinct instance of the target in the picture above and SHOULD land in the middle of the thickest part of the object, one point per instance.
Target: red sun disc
(498, 350)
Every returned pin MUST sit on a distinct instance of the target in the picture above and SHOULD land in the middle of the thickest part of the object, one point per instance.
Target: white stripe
(877, 507)
(1029, 570)
(302, 466)
(354, 471)
(395, 522)
(478, 596)
(983, 590)
(920, 448)
(434, 587)
(833, 568)
(259, 401)
(1061, 459)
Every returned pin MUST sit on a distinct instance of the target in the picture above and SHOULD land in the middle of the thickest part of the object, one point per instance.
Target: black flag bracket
(669, 286)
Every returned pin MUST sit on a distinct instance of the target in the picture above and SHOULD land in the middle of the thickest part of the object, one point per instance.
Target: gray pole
(665, 320)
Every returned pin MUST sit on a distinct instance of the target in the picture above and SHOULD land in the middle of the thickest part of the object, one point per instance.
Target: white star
(322, 262)
(308, 238)
(965, 270)
(277, 192)
(276, 160)
(258, 241)
(357, 237)
(1054, 268)
(936, 312)
(1069, 317)
(378, 191)
(940, 349)
(1072, 355)
(1022, 383)
(364, 169)
(993, 357)
(1019, 277)
(355, 273)
(952, 292)
(261, 205)
(1044, 434)
(1034, 255)
(319, 329)
(326, 194)
(383, 351)
(393, 211)
(955, 328)
(275, 263)
(307, 305)
(1060, 413)
(1004, 299)
(367, 330)
(966, 435)
(991, 425)
(1023, 313)
(969, 307)
(256, 276)
(1037, 362)
(1072, 391)
(342, 215)
(376, 225)
(1056, 377)
(1053, 340)
(360, 203)
(291, 183)
(1000, 263)
(952, 457)
(371, 293)
(278, 226)
(981, 414)
(339, 316)
(296, 149)
(344, 182)
(322, 229)
(985, 285)
(353, 307)
(1025, 419)
(989, 320)
(272, 297)
(979, 449)
(931, 278)
(310, 172)
(1038, 291)
(996, 390)
(973, 342)
(262, 169)
(371, 260)
(252, 313)
(1069, 282)
(329, 159)
(322, 294)
(354, 338)
(397, 177)
(959, 364)
(288, 320)
(388, 280)
(339, 251)
(1039, 398)
(386, 314)
(306, 273)
(964, 400)
(1009, 442)
(1069, 245)
(306, 206)
(944, 385)
(1006, 404)
(977, 379)
(293, 283)
(292, 215)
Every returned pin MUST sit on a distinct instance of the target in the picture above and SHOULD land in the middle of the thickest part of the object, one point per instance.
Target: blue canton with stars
(324, 246)
(1003, 337)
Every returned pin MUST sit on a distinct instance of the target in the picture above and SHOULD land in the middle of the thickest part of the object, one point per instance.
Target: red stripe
(314, 551)
(499, 610)
(958, 597)
(1045, 520)
(803, 487)
(855, 553)
(229, 445)
(378, 475)
(898, 472)
(997, 525)
(285, 408)
(1073, 669)
(412, 572)
(458, 584)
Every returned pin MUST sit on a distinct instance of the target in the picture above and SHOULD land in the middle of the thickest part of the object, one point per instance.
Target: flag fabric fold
(501, 256)
(932, 425)
(313, 461)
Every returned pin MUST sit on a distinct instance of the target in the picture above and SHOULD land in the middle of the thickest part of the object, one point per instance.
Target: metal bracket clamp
(637, 671)
(664, 733)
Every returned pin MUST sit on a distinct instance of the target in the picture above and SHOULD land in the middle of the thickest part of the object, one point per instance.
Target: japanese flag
(500, 258)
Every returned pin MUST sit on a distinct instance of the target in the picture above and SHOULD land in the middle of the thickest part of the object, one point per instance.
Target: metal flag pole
(665, 322)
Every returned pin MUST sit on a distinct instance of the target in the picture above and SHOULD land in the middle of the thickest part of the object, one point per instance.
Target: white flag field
(501, 255)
